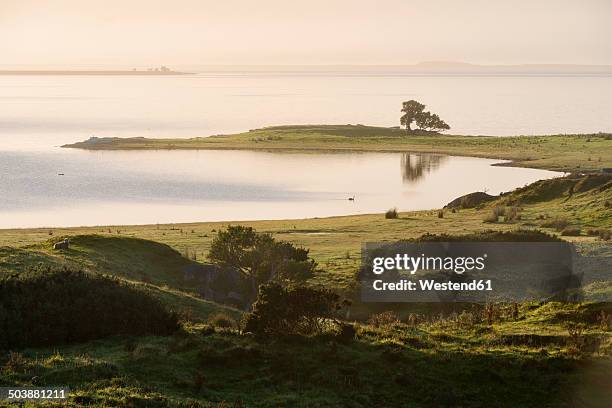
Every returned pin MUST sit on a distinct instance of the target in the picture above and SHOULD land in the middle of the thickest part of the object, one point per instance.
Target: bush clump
(512, 214)
(48, 307)
(558, 223)
(519, 235)
(391, 214)
(383, 319)
(281, 310)
(495, 213)
(570, 232)
(222, 320)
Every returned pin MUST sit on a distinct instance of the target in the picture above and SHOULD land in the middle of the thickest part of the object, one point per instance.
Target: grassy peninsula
(570, 153)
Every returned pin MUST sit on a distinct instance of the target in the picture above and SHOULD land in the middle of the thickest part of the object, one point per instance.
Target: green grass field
(544, 355)
(569, 153)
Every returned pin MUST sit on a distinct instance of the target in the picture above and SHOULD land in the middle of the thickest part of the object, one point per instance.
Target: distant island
(163, 70)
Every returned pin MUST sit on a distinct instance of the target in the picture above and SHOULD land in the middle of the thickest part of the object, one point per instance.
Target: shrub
(222, 320)
(603, 319)
(346, 334)
(259, 257)
(50, 307)
(491, 217)
(499, 211)
(413, 320)
(570, 232)
(602, 233)
(495, 213)
(383, 319)
(520, 235)
(281, 310)
(391, 214)
(558, 223)
(467, 319)
(15, 362)
(440, 214)
(513, 214)
(576, 338)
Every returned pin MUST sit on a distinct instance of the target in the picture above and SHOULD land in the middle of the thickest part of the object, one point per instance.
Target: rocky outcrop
(470, 200)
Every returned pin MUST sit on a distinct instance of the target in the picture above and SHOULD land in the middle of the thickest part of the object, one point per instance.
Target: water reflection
(149, 187)
(416, 166)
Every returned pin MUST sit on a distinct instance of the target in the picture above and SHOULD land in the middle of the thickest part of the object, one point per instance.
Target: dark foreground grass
(443, 363)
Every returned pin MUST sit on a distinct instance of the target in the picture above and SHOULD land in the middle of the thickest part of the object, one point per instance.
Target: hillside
(153, 266)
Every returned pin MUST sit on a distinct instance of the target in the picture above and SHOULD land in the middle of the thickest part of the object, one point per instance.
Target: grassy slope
(154, 266)
(560, 152)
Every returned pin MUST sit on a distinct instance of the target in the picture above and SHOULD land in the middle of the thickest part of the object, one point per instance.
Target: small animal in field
(65, 244)
(351, 198)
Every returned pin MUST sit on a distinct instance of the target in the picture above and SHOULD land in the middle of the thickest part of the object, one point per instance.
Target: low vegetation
(391, 214)
(49, 307)
(283, 311)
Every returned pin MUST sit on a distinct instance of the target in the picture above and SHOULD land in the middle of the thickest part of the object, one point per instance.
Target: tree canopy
(415, 112)
(259, 257)
(282, 310)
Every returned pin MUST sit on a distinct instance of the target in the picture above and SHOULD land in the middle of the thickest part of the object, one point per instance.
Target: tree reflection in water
(416, 166)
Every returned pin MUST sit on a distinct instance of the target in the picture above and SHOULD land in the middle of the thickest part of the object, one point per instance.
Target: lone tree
(415, 112)
(259, 257)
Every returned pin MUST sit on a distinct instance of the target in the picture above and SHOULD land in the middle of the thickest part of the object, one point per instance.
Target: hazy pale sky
(192, 32)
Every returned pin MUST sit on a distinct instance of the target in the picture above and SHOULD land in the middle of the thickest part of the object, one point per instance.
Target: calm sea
(39, 113)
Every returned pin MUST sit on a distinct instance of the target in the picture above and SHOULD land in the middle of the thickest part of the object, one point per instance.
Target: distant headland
(163, 70)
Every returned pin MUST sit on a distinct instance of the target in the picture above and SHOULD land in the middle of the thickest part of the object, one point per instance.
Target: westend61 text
(428, 284)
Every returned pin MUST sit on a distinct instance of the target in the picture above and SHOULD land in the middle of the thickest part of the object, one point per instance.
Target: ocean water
(148, 187)
(43, 111)
(39, 113)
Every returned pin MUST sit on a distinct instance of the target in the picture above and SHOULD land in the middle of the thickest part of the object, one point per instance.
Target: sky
(139, 33)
